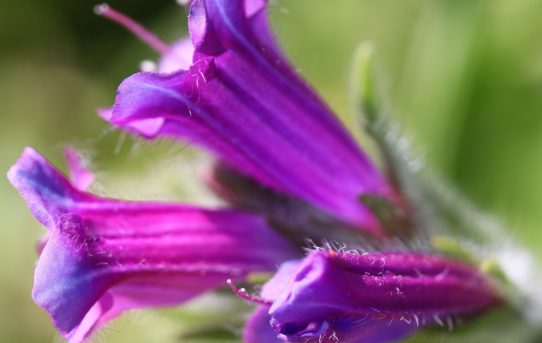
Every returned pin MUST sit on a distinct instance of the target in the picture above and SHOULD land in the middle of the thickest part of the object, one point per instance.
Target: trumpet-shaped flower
(241, 100)
(103, 256)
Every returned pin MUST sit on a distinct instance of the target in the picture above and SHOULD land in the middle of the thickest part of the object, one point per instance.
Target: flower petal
(281, 281)
(105, 256)
(330, 291)
(179, 57)
(342, 329)
(258, 328)
(80, 177)
(351, 330)
(218, 25)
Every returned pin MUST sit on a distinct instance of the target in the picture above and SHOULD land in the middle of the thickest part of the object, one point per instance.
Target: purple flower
(103, 256)
(371, 297)
(241, 100)
(81, 177)
(290, 173)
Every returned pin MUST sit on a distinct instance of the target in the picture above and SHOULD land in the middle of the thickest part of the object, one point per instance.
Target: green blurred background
(464, 78)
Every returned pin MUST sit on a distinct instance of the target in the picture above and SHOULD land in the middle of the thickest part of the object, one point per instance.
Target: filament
(242, 293)
(134, 27)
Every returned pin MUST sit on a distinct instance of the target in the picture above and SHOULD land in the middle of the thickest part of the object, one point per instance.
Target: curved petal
(105, 256)
(80, 177)
(281, 281)
(351, 330)
(179, 57)
(342, 329)
(258, 328)
(217, 25)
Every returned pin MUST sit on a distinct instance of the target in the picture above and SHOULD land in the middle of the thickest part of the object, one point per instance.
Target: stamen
(242, 293)
(131, 25)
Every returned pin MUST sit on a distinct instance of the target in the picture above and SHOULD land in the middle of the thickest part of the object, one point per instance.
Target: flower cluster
(290, 173)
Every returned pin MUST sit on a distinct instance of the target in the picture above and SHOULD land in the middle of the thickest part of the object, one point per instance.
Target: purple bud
(372, 297)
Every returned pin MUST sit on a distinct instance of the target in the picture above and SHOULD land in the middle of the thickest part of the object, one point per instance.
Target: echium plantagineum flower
(290, 173)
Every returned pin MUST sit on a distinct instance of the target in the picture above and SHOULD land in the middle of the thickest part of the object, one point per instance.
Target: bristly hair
(306, 224)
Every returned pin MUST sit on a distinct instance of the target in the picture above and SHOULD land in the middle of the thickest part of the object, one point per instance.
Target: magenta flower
(105, 256)
(241, 100)
(289, 171)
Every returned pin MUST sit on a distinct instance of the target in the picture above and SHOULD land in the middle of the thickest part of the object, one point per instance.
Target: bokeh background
(464, 79)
